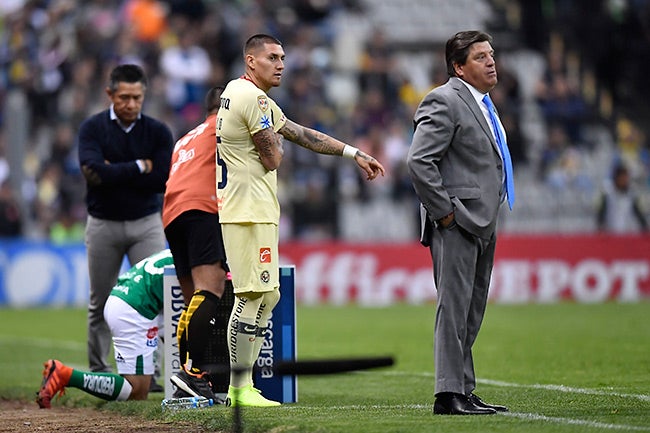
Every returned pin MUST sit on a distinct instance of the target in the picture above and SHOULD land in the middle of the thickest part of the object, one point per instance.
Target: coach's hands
(92, 178)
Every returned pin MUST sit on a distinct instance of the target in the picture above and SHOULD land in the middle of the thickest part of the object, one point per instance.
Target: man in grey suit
(461, 171)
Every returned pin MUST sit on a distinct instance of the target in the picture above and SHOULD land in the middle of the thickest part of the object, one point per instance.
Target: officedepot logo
(265, 255)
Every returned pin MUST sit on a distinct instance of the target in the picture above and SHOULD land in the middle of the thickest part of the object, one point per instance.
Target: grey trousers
(107, 242)
(462, 267)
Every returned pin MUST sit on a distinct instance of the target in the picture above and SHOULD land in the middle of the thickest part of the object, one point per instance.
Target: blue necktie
(503, 147)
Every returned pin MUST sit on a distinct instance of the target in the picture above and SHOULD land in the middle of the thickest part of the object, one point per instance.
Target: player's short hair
(213, 98)
(457, 48)
(126, 73)
(257, 41)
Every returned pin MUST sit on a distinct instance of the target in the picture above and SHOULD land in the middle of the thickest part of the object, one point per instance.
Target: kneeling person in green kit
(133, 312)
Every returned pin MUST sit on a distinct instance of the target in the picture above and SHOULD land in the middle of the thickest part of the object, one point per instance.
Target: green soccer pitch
(560, 368)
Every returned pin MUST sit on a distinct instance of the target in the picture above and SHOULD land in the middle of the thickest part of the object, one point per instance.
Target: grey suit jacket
(454, 162)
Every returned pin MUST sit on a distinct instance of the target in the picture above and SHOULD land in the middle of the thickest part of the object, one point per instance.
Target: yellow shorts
(252, 251)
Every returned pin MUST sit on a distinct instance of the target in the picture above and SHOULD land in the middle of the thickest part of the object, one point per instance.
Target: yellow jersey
(246, 190)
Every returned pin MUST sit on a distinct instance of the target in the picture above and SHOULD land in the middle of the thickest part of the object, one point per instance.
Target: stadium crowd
(55, 56)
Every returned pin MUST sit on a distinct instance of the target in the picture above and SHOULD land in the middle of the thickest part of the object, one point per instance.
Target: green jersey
(142, 286)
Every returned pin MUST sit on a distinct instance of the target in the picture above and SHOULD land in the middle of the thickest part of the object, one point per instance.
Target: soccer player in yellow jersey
(250, 128)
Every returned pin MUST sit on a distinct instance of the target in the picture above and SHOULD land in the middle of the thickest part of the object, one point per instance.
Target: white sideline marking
(546, 387)
(45, 343)
(563, 388)
(573, 421)
(538, 417)
(362, 407)
(525, 416)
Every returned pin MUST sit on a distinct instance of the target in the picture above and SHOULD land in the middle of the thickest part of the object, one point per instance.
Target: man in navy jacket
(124, 156)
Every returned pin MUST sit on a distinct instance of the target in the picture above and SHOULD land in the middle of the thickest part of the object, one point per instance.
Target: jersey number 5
(224, 172)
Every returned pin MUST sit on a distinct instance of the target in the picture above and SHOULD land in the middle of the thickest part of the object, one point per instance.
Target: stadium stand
(355, 69)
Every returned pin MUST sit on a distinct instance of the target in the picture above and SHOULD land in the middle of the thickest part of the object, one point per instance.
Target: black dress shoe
(450, 403)
(480, 403)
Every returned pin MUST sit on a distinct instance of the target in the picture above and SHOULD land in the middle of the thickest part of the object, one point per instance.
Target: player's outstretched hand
(370, 165)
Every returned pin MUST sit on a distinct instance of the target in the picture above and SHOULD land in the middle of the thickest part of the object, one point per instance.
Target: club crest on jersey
(265, 277)
(265, 255)
(263, 102)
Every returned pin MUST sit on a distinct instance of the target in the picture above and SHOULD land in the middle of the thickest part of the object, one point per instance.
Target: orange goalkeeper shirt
(192, 175)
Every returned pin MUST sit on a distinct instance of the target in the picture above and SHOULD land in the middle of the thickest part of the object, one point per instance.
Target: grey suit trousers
(462, 266)
(107, 242)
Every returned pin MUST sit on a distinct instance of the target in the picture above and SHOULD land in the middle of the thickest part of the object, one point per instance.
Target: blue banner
(42, 274)
(39, 273)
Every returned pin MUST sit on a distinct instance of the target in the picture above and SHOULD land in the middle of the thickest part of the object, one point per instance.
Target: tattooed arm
(323, 143)
(269, 146)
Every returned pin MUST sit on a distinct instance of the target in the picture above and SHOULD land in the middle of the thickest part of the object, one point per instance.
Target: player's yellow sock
(269, 301)
(241, 342)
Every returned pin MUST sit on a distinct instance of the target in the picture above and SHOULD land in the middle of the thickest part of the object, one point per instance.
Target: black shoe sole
(184, 387)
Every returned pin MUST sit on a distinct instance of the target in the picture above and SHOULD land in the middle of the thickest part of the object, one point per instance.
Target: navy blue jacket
(122, 192)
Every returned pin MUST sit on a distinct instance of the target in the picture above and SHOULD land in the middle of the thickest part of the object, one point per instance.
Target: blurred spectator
(77, 98)
(193, 11)
(396, 143)
(561, 165)
(557, 142)
(633, 149)
(66, 228)
(127, 50)
(569, 172)
(373, 110)
(62, 153)
(507, 98)
(48, 195)
(98, 24)
(316, 214)
(187, 69)
(377, 64)
(516, 142)
(562, 104)
(51, 67)
(533, 26)
(18, 50)
(4, 164)
(619, 208)
(10, 214)
(558, 93)
(147, 19)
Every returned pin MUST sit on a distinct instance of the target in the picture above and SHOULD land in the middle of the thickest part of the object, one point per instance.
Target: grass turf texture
(560, 368)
